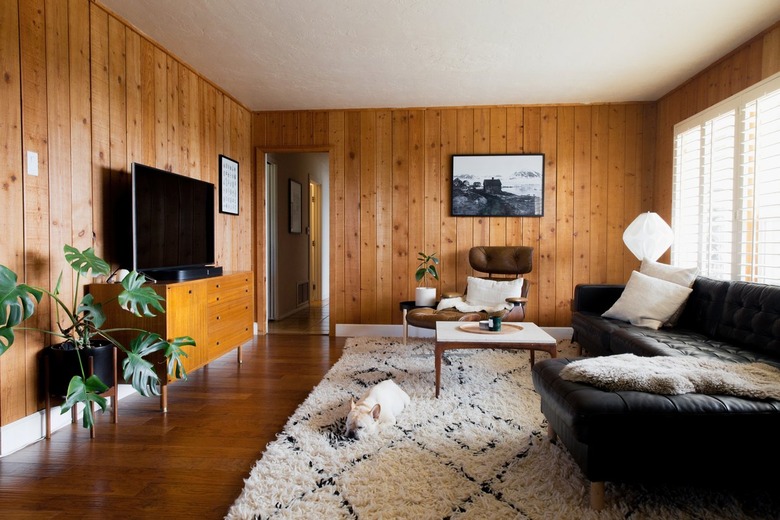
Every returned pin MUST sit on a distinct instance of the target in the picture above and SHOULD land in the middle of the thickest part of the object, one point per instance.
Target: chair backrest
(502, 260)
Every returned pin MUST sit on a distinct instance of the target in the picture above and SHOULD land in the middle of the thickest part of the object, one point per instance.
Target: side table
(406, 306)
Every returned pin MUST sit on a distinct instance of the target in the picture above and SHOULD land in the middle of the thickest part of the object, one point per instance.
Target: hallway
(315, 319)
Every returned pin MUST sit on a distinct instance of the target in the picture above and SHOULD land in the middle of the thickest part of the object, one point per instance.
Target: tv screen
(173, 220)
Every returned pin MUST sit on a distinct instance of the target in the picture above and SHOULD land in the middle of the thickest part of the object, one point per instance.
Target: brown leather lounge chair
(508, 262)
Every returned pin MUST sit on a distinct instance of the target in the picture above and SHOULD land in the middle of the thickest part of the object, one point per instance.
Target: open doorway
(297, 241)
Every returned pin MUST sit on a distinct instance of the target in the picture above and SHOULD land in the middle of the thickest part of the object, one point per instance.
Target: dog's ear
(351, 404)
(375, 411)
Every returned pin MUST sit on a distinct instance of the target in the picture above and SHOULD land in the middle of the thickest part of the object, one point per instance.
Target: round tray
(506, 328)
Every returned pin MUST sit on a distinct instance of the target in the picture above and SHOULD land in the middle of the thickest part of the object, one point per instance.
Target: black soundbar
(180, 274)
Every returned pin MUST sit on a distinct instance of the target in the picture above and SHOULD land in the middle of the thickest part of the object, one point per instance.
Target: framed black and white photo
(228, 185)
(295, 206)
(510, 185)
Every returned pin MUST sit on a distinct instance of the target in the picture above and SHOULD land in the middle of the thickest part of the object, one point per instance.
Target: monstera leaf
(139, 371)
(85, 391)
(84, 261)
(138, 299)
(17, 303)
(174, 353)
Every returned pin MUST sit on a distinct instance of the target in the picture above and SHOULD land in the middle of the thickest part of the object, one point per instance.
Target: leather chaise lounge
(632, 436)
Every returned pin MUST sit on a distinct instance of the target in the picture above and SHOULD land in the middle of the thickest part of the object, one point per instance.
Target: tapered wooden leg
(437, 363)
(115, 396)
(48, 396)
(91, 408)
(597, 495)
(164, 398)
(532, 357)
(240, 356)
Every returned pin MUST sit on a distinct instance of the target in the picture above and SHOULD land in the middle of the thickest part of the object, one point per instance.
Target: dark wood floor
(188, 463)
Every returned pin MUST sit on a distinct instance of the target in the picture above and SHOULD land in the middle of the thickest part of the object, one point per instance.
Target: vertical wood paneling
(532, 132)
(449, 226)
(383, 218)
(564, 215)
(465, 227)
(615, 192)
(581, 196)
(90, 95)
(12, 253)
(416, 194)
(402, 280)
(352, 188)
(547, 224)
(368, 232)
(338, 258)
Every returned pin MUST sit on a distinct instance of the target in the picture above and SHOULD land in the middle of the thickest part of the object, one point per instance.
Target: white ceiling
(320, 54)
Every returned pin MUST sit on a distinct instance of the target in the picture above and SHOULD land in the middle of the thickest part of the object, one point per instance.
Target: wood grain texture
(189, 462)
(90, 95)
(390, 198)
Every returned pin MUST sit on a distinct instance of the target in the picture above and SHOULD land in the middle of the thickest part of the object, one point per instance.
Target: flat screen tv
(172, 225)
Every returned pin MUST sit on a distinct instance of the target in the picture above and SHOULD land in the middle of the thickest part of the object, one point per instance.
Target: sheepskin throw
(673, 375)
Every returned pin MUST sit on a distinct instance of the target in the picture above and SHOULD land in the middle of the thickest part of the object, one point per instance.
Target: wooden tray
(506, 328)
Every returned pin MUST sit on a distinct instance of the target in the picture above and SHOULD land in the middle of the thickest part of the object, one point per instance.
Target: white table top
(448, 331)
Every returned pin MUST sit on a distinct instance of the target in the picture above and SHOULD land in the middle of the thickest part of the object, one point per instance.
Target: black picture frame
(295, 207)
(498, 185)
(228, 185)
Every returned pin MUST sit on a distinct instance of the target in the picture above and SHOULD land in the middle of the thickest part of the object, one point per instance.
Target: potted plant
(426, 296)
(79, 324)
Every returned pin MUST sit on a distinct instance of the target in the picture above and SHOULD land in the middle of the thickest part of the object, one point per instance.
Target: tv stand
(181, 274)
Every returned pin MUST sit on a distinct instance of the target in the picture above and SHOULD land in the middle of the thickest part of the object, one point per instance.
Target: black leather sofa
(691, 438)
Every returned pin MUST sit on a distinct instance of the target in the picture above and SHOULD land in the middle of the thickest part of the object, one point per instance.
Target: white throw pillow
(492, 292)
(647, 301)
(684, 276)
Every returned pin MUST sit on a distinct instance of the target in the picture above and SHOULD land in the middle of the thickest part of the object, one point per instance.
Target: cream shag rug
(480, 451)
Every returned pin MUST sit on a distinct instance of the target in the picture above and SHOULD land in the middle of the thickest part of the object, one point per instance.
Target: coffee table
(452, 335)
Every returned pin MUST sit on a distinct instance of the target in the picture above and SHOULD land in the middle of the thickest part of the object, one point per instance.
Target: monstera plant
(79, 327)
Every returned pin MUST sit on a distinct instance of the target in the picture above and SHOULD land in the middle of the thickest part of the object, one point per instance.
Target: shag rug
(480, 451)
(674, 375)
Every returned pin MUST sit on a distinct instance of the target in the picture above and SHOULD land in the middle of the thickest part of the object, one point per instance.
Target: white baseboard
(354, 330)
(31, 429)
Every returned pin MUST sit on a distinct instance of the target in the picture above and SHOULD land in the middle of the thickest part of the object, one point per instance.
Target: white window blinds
(726, 188)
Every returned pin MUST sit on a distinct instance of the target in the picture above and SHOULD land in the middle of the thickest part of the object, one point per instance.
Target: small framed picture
(228, 185)
(510, 185)
(295, 207)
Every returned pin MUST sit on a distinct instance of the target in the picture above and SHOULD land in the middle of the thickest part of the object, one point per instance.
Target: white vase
(425, 296)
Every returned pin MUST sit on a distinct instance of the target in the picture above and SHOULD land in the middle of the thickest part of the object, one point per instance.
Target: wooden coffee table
(452, 335)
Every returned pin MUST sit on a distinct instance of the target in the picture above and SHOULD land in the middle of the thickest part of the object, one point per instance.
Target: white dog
(379, 406)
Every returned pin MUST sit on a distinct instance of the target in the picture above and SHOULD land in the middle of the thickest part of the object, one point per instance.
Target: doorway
(297, 240)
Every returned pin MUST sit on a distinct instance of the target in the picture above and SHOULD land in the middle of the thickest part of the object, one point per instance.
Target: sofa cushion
(751, 317)
(681, 342)
(647, 301)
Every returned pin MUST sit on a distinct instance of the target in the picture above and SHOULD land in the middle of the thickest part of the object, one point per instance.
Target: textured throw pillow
(647, 301)
(684, 276)
(492, 292)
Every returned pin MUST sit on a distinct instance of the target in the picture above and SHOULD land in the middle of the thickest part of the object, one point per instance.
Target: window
(726, 187)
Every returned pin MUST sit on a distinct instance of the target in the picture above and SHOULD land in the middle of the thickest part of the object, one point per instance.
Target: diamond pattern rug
(480, 451)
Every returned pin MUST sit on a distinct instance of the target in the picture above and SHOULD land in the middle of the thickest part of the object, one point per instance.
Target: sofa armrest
(596, 298)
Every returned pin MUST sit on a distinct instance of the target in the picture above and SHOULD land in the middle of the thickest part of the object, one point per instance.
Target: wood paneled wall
(390, 196)
(90, 95)
(750, 63)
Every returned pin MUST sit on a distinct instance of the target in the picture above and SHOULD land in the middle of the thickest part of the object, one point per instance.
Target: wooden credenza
(218, 313)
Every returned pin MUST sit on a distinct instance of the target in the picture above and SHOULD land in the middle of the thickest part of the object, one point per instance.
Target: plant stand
(111, 392)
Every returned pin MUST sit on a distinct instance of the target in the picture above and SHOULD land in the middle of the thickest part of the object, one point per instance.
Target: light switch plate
(32, 163)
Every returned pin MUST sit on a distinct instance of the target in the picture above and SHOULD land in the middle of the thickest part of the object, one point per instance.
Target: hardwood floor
(314, 319)
(188, 463)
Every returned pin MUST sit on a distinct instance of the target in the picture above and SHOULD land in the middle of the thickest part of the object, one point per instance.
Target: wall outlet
(32, 163)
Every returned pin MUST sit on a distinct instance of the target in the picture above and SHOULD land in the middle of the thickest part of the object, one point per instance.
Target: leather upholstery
(644, 437)
(492, 260)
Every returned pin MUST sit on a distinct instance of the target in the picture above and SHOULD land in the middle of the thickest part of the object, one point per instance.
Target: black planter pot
(64, 364)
